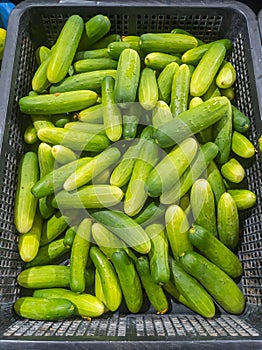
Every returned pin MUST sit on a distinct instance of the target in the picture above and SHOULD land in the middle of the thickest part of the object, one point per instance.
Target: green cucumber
(212, 91)
(129, 280)
(241, 122)
(161, 114)
(69, 236)
(242, 146)
(221, 287)
(159, 60)
(105, 41)
(153, 290)
(158, 255)
(125, 228)
(30, 135)
(112, 116)
(65, 48)
(195, 295)
(53, 227)
(168, 171)
(40, 82)
(177, 227)
(88, 54)
(244, 198)
(96, 28)
(79, 256)
(151, 212)
(91, 128)
(62, 154)
(182, 31)
(207, 69)
(233, 171)
(42, 121)
(46, 276)
(148, 89)
(213, 249)
(109, 280)
(94, 64)
(86, 305)
(226, 76)
(191, 121)
(203, 205)
(228, 221)
(63, 102)
(165, 80)
(36, 308)
(215, 180)
(93, 114)
(25, 201)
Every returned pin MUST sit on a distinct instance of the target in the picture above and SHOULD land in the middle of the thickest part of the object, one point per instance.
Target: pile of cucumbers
(134, 175)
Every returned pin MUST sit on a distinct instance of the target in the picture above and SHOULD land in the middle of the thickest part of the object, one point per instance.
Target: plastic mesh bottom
(137, 326)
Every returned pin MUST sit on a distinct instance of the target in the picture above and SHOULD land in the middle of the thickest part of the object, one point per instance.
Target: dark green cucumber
(215, 180)
(109, 280)
(94, 64)
(69, 236)
(241, 122)
(63, 52)
(206, 154)
(191, 121)
(55, 103)
(166, 42)
(196, 296)
(86, 305)
(48, 253)
(79, 256)
(82, 81)
(177, 227)
(153, 290)
(46, 276)
(125, 228)
(158, 255)
(213, 249)
(203, 205)
(221, 287)
(105, 41)
(228, 221)
(40, 308)
(129, 280)
(151, 212)
(112, 116)
(87, 54)
(168, 171)
(96, 28)
(25, 202)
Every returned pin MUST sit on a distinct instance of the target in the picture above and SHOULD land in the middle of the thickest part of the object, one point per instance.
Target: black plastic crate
(32, 24)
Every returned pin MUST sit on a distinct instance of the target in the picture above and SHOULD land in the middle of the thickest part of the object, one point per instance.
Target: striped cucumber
(165, 80)
(148, 89)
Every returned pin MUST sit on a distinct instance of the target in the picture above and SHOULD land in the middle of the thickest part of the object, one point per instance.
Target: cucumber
(93, 114)
(82, 81)
(53, 227)
(233, 171)
(212, 91)
(151, 212)
(91, 128)
(88, 54)
(64, 50)
(46, 276)
(203, 205)
(129, 280)
(62, 154)
(158, 255)
(79, 256)
(177, 227)
(148, 89)
(221, 287)
(241, 122)
(63, 102)
(74, 139)
(89, 196)
(60, 120)
(223, 136)
(159, 60)
(207, 69)
(153, 290)
(242, 146)
(165, 80)
(105, 41)
(127, 76)
(40, 82)
(42, 53)
(54, 180)
(166, 42)
(130, 122)
(99, 289)
(215, 180)
(69, 236)
(228, 92)
(109, 280)
(94, 64)
(41, 121)
(161, 114)
(125, 228)
(115, 48)
(86, 305)
(112, 116)
(195, 295)
(168, 171)
(28, 243)
(191, 121)
(180, 90)
(36, 308)
(96, 28)
(90, 170)
(207, 153)
(195, 101)
(244, 198)
(25, 202)
(30, 135)
(215, 251)
(226, 76)
(49, 253)
(136, 194)
(228, 221)
(182, 31)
